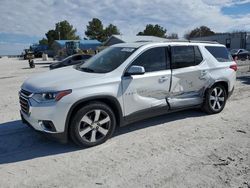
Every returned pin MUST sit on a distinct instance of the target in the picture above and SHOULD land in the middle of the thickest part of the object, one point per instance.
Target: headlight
(50, 96)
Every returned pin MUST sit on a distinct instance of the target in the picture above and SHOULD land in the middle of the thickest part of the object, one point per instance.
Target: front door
(149, 91)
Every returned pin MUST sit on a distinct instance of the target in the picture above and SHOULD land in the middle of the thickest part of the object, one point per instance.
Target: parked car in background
(71, 60)
(240, 54)
(125, 83)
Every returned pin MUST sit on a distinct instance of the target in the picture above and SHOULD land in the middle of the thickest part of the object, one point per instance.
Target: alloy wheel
(217, 99)
(94, 126)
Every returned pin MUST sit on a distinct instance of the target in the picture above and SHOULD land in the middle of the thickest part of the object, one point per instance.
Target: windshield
(67, 58)
(234, 51)
(107, 60)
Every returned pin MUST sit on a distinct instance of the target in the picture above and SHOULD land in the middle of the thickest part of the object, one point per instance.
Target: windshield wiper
(85, 69)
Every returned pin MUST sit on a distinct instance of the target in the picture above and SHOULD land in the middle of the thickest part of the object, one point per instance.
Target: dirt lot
(184, 149)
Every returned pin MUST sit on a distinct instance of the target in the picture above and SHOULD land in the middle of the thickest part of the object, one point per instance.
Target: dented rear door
(189, 76)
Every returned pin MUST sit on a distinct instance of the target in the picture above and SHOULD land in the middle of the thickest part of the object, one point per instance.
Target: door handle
(203, 74)
(163, 79)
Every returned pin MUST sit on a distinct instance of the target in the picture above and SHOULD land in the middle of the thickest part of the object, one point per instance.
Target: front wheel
(93, 124)
(215, 99)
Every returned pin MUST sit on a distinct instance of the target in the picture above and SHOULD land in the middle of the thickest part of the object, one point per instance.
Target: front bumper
(61, 137)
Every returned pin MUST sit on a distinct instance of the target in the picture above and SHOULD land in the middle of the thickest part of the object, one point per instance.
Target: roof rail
(191, 41)
(202, 41)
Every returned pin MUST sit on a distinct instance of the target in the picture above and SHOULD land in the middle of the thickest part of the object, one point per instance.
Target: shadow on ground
(46, 66)
(43, 63)
(26, 68)
(19, 142)
(244, 79)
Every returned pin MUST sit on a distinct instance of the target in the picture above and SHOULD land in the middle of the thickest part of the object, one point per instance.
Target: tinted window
(152, 60)
(183, 56)
(198, 56)
(77, 58)
(107, 60)
(86, 56)
(219, 53)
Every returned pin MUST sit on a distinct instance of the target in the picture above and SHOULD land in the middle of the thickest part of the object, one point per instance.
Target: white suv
(125, 83)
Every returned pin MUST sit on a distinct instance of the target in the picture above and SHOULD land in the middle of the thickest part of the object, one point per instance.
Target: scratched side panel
(188, 85)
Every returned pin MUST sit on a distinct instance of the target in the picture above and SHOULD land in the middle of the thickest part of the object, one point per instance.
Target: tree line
(95, 30)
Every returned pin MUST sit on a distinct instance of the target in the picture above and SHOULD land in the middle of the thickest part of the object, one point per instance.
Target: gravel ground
(184, 149)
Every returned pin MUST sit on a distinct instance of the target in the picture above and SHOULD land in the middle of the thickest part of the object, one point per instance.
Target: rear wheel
(93, 124)
(215, 99)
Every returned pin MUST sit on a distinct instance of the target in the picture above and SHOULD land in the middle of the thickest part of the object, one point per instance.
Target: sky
(25, 22)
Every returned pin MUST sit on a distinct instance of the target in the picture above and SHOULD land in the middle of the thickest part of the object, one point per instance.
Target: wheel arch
(111, 101)
(224, 83)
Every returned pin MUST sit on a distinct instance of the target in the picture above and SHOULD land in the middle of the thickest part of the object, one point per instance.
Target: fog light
(47, 125)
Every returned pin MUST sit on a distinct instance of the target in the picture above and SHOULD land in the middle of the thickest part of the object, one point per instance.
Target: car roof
(167, 42)
(238, 49)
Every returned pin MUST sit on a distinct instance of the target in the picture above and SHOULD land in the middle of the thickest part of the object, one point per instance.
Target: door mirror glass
(135, 70)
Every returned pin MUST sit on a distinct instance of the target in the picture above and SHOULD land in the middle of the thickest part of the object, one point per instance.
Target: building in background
(116, 39)
(234, 40)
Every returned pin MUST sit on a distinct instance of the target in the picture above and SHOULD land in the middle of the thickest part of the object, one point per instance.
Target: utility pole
(59, 31)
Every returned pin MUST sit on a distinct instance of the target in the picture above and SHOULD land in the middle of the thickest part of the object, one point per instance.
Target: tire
(215, 99)
(92, 125)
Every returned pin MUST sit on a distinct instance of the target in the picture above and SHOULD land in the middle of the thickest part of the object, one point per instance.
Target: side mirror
(135, 70)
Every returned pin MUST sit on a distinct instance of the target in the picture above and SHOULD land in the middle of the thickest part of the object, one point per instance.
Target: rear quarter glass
(220, 53)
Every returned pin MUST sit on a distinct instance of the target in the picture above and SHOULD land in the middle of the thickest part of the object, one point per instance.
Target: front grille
(24, 101)
(25, 92)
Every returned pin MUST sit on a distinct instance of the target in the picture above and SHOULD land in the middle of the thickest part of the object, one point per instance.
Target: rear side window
(185, 56)
(198, 56)
(152, 60)
(220, 53)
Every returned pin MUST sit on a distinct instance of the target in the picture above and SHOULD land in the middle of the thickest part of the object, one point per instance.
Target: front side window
(220, 53)
(152, 60)
(107, 60)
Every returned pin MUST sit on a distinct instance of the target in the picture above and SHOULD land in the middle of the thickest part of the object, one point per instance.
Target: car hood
(62, 79)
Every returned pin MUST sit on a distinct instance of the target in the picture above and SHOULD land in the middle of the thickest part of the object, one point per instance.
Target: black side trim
(147, 113)
(153, 112)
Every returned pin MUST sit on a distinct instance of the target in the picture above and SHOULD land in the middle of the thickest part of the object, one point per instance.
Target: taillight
(235, 58)
(234, 67)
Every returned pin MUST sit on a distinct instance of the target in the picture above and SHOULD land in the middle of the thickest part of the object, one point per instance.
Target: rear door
(150, 90)
(188, 76)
